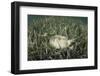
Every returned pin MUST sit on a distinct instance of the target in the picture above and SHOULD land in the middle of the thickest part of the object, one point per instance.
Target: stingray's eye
(59, 38)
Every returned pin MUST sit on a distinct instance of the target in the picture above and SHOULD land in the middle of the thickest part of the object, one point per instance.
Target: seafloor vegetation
(42, 28)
